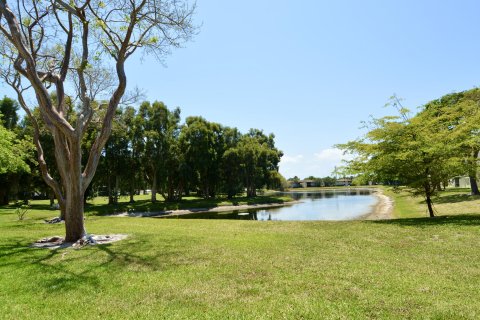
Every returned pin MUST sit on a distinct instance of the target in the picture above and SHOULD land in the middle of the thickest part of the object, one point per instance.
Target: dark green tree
(14, 153)
(9, 109)
(231, 178)
(202, 147)
(158, 149)
(258, 159)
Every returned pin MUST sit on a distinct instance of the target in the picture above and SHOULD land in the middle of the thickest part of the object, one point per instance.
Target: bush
(22, 211)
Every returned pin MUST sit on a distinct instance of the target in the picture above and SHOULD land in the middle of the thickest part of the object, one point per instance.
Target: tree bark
(428, 198)
(116, 189)
(131, 193)
(474, 185)
(74, 222)
(51, 196)
(109, 190)
(74, 191)
(430, 207)
(154, 187)
(3, 196)
(63, 210)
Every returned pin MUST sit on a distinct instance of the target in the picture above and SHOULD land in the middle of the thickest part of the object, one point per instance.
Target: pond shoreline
(179, 212)
(381, 210)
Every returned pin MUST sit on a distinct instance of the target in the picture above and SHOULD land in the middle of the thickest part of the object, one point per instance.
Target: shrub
(22, 211)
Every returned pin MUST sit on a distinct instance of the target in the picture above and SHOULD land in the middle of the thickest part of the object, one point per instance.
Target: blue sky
(311, 71)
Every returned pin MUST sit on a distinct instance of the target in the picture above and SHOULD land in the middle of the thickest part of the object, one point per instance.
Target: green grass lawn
(455, 201)
(415, 268)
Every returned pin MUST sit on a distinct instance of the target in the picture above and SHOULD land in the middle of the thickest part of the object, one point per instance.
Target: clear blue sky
(311, 71)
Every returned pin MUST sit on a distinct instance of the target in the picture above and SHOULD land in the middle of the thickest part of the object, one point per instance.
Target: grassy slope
(204, 269)
(450, 202)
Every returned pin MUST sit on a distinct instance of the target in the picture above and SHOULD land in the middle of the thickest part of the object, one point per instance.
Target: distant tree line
(316, 181)
(150, 148)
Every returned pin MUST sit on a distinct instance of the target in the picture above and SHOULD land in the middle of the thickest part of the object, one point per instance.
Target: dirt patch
(57, 242)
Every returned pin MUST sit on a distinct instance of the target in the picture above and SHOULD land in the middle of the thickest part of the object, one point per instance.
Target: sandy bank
(383, 209)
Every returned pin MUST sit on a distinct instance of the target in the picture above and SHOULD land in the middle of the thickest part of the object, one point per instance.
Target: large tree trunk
(74, 191)
(74, 222)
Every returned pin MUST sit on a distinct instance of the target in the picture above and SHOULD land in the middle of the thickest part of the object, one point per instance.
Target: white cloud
(319, 164)
(330, 155)
(292, 159)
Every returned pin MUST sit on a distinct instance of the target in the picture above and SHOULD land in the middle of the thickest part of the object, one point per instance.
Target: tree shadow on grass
(457, 220)
(63, 269)
(7, 250)
(17, 256)
(455, 198)
(162, 259)
(32, 206)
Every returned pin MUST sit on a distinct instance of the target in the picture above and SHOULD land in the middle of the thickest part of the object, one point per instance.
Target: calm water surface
(341, 204)
(323, 205)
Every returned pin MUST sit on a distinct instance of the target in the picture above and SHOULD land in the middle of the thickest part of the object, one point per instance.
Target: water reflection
(341, 204)
(328, 194)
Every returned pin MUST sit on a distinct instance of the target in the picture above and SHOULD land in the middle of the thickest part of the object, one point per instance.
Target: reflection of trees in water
(328, 194)
(254, 214)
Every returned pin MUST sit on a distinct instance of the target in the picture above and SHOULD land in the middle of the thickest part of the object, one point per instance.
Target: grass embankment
(455, 201)
(220, 269)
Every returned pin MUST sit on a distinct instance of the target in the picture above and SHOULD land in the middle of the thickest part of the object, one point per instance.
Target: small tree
(408, 151)
(22, 211)
(54, 45)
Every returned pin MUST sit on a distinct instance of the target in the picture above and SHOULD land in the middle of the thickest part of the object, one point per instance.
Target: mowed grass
(415, 268)
(453, 201)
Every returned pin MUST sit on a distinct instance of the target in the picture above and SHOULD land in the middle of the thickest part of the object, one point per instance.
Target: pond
(341, 204)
